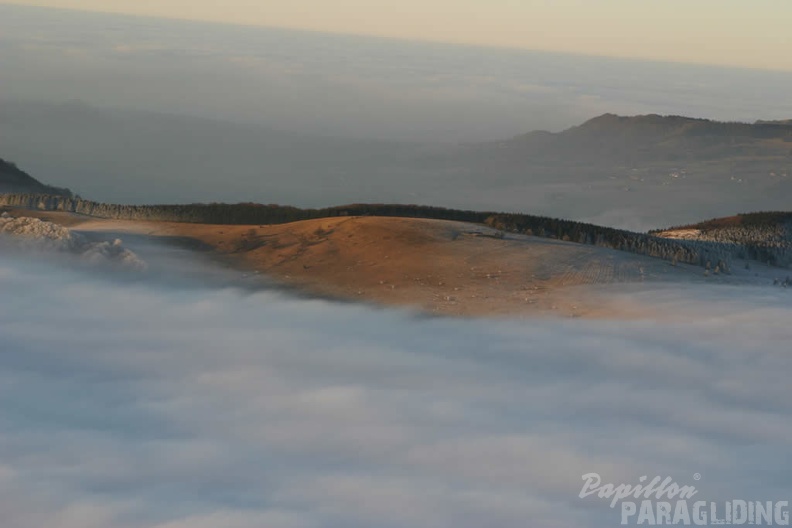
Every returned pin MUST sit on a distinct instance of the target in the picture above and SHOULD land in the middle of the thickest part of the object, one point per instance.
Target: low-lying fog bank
(134, 404)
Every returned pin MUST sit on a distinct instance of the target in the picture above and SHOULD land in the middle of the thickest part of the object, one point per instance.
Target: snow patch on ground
(681, 234)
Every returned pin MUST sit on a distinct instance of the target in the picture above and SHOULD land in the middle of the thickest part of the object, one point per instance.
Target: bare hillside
(437, 266)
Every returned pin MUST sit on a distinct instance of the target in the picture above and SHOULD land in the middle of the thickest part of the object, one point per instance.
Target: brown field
(440, 267)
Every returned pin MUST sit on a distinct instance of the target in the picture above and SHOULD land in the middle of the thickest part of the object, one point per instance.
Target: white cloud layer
(144, 404)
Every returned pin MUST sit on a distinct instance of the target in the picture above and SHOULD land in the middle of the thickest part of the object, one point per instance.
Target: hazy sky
(730, 32)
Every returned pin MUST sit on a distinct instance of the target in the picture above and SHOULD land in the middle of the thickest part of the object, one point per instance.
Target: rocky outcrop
(37, 235)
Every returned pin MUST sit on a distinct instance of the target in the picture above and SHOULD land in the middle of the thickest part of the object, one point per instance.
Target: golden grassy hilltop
(437, 266)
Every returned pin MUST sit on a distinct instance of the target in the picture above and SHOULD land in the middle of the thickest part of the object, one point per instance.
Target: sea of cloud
(164, 403)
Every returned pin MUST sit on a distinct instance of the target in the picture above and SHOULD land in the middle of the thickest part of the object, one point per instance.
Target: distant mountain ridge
(653, 137)
(15, 180)
(782, 122)
(610, 170)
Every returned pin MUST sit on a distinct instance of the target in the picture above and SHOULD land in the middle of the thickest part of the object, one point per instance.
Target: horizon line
(397, 39)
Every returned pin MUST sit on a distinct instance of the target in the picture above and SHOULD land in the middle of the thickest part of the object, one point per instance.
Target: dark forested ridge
(746, 220)
(764, 236)
(15, 180)
(711, 255)
(221, 213)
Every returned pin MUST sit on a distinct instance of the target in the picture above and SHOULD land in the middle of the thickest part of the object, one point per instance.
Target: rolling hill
(435, 266)
(445, 261)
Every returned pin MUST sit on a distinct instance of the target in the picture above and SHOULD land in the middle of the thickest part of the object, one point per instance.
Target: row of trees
(765, 237)
(707, 255)
(715, 252)
(219, 213)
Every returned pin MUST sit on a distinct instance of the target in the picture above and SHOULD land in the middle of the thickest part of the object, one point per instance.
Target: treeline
(764, 236)
(760, 219)
(715, 257)
(708, 254)
(220, 213)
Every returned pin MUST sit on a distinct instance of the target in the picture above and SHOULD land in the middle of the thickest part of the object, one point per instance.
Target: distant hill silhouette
(782, 122)
(610, 138)
(15, 180)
